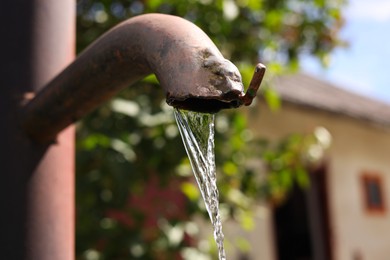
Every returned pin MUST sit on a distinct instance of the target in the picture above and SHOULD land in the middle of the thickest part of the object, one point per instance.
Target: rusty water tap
(190, 68)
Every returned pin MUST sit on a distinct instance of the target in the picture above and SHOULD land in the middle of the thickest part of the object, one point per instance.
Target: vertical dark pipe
(36, 182)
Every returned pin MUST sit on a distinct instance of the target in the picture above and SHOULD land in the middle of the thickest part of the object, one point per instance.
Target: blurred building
(345, 215)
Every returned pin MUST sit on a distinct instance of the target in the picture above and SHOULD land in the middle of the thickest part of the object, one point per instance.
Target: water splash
(197, 132)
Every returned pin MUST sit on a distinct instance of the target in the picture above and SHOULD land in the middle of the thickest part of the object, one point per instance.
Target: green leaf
(246, 220)
(272, 99)
(320, 3)
(190, 190)
(152, 79)
(230, 168)
(255, 4)
(153, 4)
(286, 179)
(274, 18)
(94, 140)
(302, 178)
(243, 245)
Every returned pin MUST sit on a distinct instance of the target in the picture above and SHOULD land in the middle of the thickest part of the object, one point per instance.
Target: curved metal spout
(193, 73)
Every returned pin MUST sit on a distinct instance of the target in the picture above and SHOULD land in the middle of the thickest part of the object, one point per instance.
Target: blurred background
(359, 67)
(303, 173)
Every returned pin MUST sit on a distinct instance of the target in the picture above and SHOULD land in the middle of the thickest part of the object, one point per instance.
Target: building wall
(357, 147)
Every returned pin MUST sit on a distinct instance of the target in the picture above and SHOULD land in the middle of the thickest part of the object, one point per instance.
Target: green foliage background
(134, 183)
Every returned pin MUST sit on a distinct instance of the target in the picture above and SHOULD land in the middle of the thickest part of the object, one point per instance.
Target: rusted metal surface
(36, 181)
(190, 68)
(50, 195)
(254, 85)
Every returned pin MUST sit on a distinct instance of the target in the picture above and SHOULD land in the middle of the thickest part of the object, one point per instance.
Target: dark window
(373, 192)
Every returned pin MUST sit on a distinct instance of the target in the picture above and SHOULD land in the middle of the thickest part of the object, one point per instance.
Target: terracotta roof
(309, 91)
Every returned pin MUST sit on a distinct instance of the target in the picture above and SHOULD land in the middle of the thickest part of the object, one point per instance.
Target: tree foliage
(135, 193)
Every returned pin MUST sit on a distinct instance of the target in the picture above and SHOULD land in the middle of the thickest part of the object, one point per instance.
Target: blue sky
(364, 66)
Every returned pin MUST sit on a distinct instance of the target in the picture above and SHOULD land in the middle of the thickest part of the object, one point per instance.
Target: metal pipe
(190, 68)
(37, 181)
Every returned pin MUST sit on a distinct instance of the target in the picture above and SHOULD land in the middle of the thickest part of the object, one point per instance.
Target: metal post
(36, 181)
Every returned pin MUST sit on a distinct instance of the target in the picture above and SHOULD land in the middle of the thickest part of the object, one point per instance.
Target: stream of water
(197, 132)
